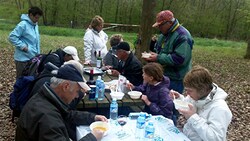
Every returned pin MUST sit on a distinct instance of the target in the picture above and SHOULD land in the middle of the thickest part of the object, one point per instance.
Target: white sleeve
(213, 128)
(88, 45)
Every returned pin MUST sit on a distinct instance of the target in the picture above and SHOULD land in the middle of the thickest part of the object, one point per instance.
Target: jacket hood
(216, 94)
(25, 17)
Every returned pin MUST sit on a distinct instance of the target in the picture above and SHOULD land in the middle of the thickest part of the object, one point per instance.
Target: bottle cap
(99, 77)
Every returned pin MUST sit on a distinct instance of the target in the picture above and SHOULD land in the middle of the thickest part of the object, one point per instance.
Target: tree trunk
(247, 56)
(146, 30)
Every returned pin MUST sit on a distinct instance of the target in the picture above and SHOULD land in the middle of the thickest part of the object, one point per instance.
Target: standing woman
(25, 37)
(95, 40)
(155, 91)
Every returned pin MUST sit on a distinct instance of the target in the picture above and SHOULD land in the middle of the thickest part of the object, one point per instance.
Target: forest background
(224, 19)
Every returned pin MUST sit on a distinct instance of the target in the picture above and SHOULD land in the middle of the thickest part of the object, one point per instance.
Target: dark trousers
(176, 85)
(20, 67)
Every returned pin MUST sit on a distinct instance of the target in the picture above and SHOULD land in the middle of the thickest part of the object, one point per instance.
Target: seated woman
(208, 115)
(155, 91)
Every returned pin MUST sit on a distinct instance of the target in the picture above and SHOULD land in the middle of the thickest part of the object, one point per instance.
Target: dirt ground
(233, 75)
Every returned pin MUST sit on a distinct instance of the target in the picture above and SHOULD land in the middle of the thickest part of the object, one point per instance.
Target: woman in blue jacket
(25, 37)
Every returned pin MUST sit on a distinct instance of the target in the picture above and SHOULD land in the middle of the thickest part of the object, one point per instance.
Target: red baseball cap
(163, 16)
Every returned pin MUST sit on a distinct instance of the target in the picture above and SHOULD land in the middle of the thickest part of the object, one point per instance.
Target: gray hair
(54, 82)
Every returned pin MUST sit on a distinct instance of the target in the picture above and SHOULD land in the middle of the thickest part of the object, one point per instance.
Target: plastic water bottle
(113, 110)
(140, 123)
(149, 131)
(100, 88)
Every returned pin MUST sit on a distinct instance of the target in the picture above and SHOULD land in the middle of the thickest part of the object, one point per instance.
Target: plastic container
(100, 125)
(134, 94)
(100, 88)
(140, 124)
(117, 95)
(113, 110)
(149, 131)
(179, 104)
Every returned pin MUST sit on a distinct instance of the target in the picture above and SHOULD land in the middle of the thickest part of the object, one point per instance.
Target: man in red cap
(173, 49)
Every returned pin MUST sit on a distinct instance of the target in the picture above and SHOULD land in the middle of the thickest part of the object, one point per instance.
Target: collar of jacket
(54, 99)
(207, 99)
(173, 27)
(94, 31)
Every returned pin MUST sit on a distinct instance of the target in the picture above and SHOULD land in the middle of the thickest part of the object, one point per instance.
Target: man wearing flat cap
(46, 115)
(130, 66)
(173, 49)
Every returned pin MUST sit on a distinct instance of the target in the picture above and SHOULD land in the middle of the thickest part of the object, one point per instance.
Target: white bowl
(117, 95)
(179, 104)
(100, 125)
(134, 94)
(146, 55)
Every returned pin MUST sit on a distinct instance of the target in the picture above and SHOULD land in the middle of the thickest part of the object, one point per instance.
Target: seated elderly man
(45, 115)
(130, 67)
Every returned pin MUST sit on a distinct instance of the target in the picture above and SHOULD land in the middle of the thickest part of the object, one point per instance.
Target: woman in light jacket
(95, 40)
(208, 116)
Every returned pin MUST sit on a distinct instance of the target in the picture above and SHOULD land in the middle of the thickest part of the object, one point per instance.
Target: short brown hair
(200, 79)
(115, 39)
(155, 70)
(96, 21)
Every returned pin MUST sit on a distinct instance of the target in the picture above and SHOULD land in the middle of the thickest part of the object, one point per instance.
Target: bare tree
(146, 30)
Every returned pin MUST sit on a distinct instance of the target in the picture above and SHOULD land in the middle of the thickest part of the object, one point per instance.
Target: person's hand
(108, 67)
(130, 86)
(145, 99)
(115, 72)
(87, 63)
(25, 49)
(154, 38)
(98, 134)
(174, 94)
(152, 58)
(101, 118)
(188, 113)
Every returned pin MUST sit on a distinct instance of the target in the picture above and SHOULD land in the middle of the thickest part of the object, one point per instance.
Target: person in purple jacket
(155, 91)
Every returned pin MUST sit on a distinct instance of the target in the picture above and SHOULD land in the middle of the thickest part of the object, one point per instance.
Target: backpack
(20, 95)
(34, 67)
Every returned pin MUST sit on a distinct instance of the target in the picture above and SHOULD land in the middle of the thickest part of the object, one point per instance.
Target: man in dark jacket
(60, 56)
(130, 67)
(46, 115)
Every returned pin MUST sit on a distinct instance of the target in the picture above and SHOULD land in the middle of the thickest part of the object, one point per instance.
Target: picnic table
(134, 104)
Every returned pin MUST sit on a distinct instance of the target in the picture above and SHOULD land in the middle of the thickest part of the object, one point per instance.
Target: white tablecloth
(164, 130)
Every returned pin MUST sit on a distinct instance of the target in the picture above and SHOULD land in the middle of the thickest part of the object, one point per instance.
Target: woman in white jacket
(208, 116)
(95, 40)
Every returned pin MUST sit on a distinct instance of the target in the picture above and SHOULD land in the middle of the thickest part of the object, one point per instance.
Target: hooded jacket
(212, 119)
(93, 43)
(46, 117)
(25, 34)
(175, 51)
(158, 95)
